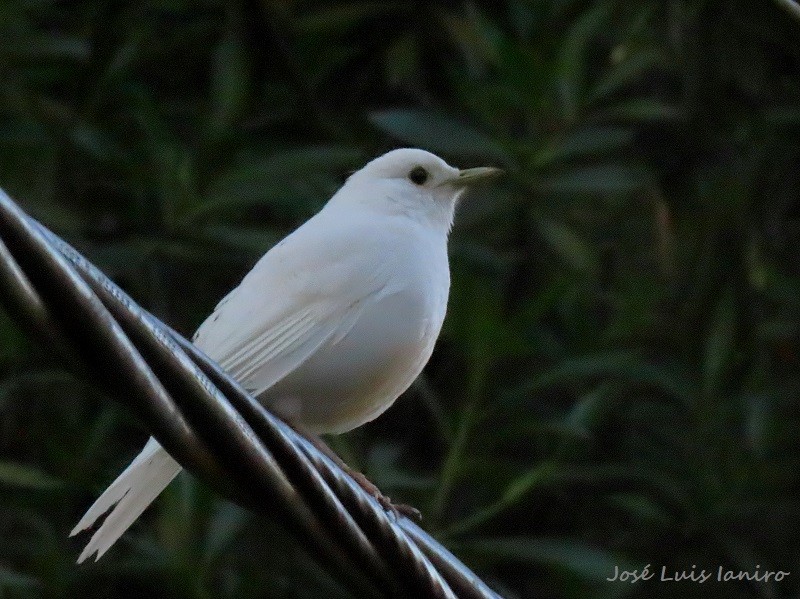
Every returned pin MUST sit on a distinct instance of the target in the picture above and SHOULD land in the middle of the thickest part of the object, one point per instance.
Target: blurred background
(617, 383)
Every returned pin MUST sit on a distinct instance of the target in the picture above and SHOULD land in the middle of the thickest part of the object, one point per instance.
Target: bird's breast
(352, 379)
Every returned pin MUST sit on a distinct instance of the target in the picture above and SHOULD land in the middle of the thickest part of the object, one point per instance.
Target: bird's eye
(418, 175)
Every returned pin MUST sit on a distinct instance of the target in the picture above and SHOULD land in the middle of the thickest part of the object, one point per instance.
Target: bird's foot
(398, 509)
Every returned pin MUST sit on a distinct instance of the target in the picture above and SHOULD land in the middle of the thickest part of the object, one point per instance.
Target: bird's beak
(468, 176)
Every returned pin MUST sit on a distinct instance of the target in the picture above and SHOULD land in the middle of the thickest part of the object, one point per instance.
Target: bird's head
(414, 182)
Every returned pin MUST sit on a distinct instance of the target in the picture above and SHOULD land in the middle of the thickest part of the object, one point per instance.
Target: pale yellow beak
(468, 176)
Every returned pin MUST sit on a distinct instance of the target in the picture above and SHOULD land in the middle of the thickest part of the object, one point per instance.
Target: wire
(211, 425)
(790, 6)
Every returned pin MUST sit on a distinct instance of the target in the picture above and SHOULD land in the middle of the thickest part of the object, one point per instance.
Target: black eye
(418, 175)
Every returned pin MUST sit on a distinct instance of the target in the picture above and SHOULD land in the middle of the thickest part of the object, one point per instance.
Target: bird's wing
(307, 290)
(300, 295)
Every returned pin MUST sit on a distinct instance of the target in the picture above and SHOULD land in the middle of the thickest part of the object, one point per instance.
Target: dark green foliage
(618, 379)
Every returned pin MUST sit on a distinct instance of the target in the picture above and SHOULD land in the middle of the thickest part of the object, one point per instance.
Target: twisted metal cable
(211, 425)
(791, 7)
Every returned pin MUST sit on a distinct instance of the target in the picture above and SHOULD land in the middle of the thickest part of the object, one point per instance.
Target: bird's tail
(138, 485)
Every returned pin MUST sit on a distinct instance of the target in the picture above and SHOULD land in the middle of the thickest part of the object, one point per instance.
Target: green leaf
(619, 365)
(609, 179)
(402, 63)
(98, 144)
(11, 579)
(26, 477)
(542, 475)
(642, 111)
(573, 58)
(229, 85)
(295, 179)
(626, 73)
(763, 423)
(308, 159)
(592, 409)
(478, 324)
(573, 249)
(342, 17)
(641, 507)
(536, 477)
(587, 141)
(438, 133)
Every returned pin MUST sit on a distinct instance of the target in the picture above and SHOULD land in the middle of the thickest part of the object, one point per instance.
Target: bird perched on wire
(333, 323)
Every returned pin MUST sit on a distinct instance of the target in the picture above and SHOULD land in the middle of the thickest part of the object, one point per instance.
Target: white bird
(333, 323)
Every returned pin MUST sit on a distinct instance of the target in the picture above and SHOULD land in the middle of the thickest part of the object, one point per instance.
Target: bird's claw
(398, 509)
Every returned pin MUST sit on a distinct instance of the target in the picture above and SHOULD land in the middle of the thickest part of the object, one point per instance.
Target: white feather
(134, 489)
